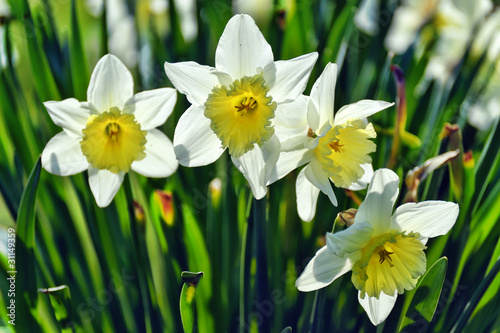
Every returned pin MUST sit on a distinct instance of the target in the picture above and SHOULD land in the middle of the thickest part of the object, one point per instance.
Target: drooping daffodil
(112, 133)
(336, 147)
(233, 104)
(384, 251)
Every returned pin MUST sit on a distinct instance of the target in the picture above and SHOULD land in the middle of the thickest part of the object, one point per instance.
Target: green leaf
(426, 296)
(77, 57)
(25, 254)
(485, 167)
(287, 330)
(476, 297)
(188, 292)
(60, 299)
(42, 74)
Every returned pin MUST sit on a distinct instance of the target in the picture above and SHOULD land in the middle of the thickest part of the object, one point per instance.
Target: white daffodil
(448, 24)
(406, 22)
(336, 148)
(384, 251)
(233, 104)
(112, 133)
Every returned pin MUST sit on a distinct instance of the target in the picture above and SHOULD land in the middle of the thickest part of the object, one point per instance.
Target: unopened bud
(139, 212)
(165, 200)
(346, 217)
(215, 191)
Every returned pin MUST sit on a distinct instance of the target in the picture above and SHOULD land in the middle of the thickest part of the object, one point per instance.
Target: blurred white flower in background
(122, 35)
(260, 10)
(367, 17)
(4, 12)
(487, 38)
(486, 110)
(186, 10)
(455, 23)
(407, 20)
(451, 22)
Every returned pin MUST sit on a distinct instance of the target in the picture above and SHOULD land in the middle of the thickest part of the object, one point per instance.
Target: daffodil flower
(111, 134)
(233, 104)
(335, 148)
(448, 25)
(384, 251)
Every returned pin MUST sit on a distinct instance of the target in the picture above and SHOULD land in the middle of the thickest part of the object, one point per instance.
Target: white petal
(242, 48)
(349, 240)
(323, 94)
(193, 80)
(290, 119)
(378, 309)
(313, 117)
(287, 79)
(151, 108)
(363, 182)
(318, 177)
(195, 143)
(69, 114)
(289, 161)
(257, 165)
(322, 270)
(63, 156)
(111, 84)
(429, 218)
(104, 185)
(297, 143)
(307, 197)
(160, 160)
(377, 207)
(360, 110)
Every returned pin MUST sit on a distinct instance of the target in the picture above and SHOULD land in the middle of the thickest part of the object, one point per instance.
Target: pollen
(390, 262)
(240, 115)
(344, 149)
(113, 140)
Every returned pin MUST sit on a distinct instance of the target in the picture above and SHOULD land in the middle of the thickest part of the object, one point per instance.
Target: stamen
(247, 104)
(384, 254)
(112, 130)
(335, 146)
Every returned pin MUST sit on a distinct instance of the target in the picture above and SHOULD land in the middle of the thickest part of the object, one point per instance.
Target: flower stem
(259, 220)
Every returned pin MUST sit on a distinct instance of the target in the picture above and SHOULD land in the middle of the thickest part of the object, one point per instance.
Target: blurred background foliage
(85, 269)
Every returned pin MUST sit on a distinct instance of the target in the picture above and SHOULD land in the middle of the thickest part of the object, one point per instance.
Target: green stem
(261, 283)
(137, 253)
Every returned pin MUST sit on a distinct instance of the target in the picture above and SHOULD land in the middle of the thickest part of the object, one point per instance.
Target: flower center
(241, 114)
(113, 140)
(390, 262)
(344, 148)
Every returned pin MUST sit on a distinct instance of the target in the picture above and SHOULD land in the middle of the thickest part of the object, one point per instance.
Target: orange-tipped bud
(165, 199)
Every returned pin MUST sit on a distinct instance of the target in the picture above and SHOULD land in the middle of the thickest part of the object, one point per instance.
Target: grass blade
(426, 296)
(25, 253)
